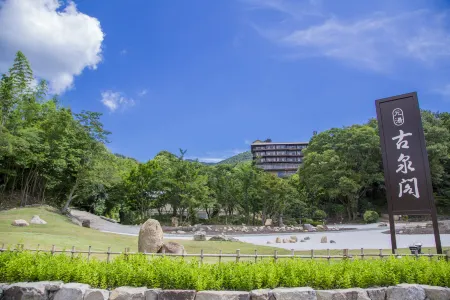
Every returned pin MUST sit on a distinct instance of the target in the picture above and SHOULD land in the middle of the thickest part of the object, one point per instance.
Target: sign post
(405, 161)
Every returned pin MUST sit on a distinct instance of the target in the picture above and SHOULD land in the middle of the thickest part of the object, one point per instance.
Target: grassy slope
(63, 233)
(241, 157)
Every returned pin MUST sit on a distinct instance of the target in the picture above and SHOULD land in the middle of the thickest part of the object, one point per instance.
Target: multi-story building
(282, 159)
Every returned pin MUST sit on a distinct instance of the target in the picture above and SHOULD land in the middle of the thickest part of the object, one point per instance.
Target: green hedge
(171, 273)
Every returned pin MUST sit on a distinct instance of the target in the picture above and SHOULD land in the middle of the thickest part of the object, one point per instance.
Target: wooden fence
(236, 256)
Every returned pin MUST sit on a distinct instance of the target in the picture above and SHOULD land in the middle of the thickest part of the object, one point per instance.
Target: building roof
(287, 143)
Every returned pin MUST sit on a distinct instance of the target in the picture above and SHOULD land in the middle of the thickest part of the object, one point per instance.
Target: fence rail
(237, 256)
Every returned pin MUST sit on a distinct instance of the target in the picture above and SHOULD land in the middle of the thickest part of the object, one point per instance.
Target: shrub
(371, 216)
(319, 214)
(177, 273)
(307, 221)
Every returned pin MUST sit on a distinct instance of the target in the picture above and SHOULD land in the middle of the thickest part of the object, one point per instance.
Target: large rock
(347, 294)
(222, 295)
(278, 240)
(37, 220)
(71, 291)
(324, 239)
(294, 238)
(309, 227)
(128, 293)
(150, 237)
(172, 248)
(20, 223)
(376, 293)
(174, 222)
(86, 223)
(176, 295)
(303, 293)
(268, 222)
(96, 294)
(405, 292)
(200, 236)
(263, 294)
(320, 227)
(436, 292)
(25, 291)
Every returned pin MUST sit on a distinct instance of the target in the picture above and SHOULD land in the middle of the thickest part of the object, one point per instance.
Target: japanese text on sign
(405, 165)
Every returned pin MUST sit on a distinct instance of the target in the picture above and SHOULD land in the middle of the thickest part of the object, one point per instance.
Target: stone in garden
(152, 294)
(126, 293)
(307, 238)
(181, 232)
(376, 293)
(382, 224)
(436, 292)
(174, 222)
(278, 240)
(176, 295)
(400, 232)
(263, 294)
(269, 242)
(285, 241)
(324, 239)
(332, 242)
(200, 236)
(302, 293)
(96, 294)
(24, 290)
(20, 223)
(71, 291)
(320, 228)
(172, 248)
(302, 241)
(268, 222)
(222, 295)
(86, 223)
(294, 238)
(223, 238)
(37, 220)
(405, 292)
(356, 293)
(292, 241)
(150, 237)
(309, 227)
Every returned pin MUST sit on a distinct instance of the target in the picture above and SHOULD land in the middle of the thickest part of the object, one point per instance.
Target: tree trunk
(71, 197)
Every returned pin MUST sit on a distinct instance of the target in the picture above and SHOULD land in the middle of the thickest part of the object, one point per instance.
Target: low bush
(319, 215)
(371, 216)
(176, 273)
(307, 221)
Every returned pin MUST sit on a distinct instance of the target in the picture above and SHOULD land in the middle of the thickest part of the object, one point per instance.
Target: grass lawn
(64, 234)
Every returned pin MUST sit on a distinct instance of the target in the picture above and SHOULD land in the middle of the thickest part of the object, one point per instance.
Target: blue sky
(212, 76)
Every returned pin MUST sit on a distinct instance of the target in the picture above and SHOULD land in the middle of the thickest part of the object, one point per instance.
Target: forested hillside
(51, 154)
(238, 158)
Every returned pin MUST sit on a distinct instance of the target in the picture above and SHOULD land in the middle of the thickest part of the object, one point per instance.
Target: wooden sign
(405, 160)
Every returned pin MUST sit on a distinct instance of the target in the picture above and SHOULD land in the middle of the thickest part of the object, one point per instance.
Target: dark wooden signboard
(405, 160)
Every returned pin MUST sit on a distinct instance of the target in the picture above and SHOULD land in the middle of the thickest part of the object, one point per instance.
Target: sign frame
(431, 210)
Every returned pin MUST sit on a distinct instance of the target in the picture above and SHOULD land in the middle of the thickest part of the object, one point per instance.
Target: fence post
(53, 250)
(447, 255)
(201, 256)
(256, 255)
(108, 253)
(89, 253)
(183, 253)
(73, 251)
(328, 254)
(312, 253)
(238, 255)
(362, 253)
(220, 256)
(429, 254)
(275, 255)
(3, 246)
(345, 253)
(381, 253)
(292, 253)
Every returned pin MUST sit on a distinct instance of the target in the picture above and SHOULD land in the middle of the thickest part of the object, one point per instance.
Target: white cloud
(115, 100)
(59, 41)
(377, 41)
(143, 93)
